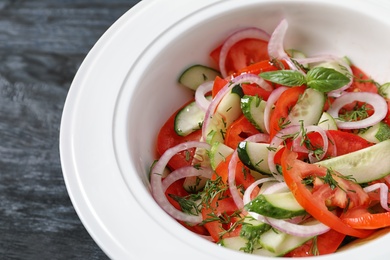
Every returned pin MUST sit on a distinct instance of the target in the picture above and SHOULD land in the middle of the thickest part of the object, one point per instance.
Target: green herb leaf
(325, 79)
(288, 78)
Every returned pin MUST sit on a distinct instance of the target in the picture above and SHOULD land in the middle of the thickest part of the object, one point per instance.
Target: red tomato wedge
(316, 201)
(217, 208)
(242, 54)
(361, 218)
(238, 131)
(361, 82)
(282, 108)
(345, 142)
(168, 138)
(219, 83)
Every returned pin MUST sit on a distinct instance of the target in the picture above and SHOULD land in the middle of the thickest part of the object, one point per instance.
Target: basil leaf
(288, 78)
(325, 79)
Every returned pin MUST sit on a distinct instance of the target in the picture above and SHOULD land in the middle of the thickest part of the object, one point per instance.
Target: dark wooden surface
(42, 44)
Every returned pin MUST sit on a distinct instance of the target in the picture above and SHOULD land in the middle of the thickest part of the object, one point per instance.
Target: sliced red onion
(156, 181)
(276, 45)
(273, 97)
(188, 171)
(276, 42)
(308, 229)
(331, 139)
(277, 187)
(247, 33)
(373, 99)
(276, 141)
(244, 78)
(248, 195)
(383, 193)
(296, 131)
(200, 95)
(236, 195)
(325, 145)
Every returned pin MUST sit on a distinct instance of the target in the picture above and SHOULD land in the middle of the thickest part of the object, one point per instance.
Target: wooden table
(42, 44)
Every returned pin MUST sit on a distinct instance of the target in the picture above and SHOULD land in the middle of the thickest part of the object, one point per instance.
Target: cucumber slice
(228, 110)
(277, 205)
(384, 90)
(293, 53)
(196, 75)
(366, 165)
(308, 108)
(253, 109)
(376, 133)
(327, 122)
(280, 243)
(218, 153)
(239, 243)
(189, 119)
(254, 155)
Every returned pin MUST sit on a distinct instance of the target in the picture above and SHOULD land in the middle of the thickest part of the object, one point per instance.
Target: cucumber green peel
(363, 166)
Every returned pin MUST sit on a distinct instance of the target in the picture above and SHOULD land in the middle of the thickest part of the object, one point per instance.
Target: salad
(277, 154)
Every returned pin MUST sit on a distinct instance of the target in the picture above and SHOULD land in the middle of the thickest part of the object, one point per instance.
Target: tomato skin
(168, 138)
(219, 83)
(361, 218)
(219, 207)
(282, 108)
(242, 54)
(361, 83)
(243, 176)
(238, 131)
(345, 142)
(326, 243)
(294, 171)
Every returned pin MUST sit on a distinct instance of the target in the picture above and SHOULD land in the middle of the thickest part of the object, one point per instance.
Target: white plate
(108, 190)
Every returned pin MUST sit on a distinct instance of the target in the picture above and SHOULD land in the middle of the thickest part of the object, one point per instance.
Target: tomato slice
(218, 84)
(282, 108)
(168, 138)
(316, 200)
(238, 131)
(177, 189)
(242, 54)
(220, 207)
(345, 142)
(361, 82)
(326, 243)
(361, 218)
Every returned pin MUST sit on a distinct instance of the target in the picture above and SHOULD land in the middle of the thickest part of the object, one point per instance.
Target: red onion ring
(276, 43)
(301, 230)
(200, 95)
(373, 99)
(247, 33)
(383, 193)
(156, 181)
(308, 229)
(292, 130)
(248, 193)
(232, 170)
(188, 171)
(273, 97)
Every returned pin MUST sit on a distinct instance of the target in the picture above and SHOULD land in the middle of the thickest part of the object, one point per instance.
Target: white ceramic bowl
(127, 87)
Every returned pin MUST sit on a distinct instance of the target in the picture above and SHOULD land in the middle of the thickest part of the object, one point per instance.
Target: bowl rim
(75, 136)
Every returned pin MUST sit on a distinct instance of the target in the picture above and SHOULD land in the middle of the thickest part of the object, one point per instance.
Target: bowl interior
(151, 93)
